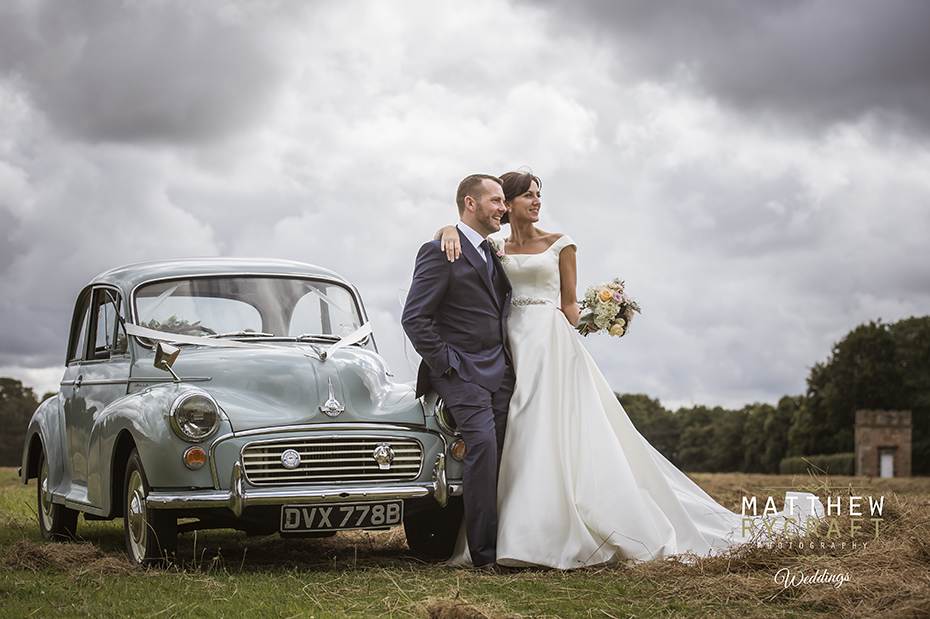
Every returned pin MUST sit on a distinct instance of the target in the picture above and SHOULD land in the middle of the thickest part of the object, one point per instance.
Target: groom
(456, 318)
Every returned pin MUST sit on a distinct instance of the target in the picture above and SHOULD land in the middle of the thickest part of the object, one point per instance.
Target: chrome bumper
(237, 498)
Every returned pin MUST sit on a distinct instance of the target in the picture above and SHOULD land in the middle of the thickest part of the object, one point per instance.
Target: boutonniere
(497, 249)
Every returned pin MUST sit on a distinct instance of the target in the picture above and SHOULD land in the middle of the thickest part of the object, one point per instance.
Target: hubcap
(45, 501)
(135, 516)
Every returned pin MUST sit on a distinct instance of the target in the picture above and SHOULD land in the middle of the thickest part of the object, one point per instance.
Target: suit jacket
(456, 317)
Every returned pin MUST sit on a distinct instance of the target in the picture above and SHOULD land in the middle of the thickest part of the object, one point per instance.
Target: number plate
(341, 516)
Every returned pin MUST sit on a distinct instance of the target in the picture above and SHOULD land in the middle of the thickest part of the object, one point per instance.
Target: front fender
(429, 403)
(142, 420)
(44, 433)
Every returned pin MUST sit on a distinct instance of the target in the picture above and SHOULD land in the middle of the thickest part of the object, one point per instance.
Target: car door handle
(78, 381)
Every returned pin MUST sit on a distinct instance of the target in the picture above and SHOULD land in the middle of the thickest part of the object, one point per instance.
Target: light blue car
(244, 394)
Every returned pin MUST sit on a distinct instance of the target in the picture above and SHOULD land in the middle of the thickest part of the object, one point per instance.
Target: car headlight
(195, 416)
(444, 417)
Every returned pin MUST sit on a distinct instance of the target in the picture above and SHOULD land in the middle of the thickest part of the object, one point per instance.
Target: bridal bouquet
(610, 309)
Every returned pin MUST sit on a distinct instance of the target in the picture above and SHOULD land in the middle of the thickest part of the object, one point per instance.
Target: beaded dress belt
(531, 301)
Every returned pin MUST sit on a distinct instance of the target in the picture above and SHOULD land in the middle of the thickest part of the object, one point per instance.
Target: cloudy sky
(757, 172)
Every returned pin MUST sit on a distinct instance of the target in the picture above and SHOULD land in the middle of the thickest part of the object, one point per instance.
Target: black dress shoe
(492, 568)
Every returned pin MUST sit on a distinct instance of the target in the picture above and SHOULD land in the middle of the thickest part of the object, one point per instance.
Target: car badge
(332, 407)
(290, 459)
(383, 455)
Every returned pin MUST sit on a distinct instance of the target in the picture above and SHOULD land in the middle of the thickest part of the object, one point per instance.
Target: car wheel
(55, 521)
(432, 533)
(151, 534)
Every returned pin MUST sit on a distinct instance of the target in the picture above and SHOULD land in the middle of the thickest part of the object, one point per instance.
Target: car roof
(130, 276)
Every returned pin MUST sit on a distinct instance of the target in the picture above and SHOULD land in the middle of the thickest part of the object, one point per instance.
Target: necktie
(486, 245)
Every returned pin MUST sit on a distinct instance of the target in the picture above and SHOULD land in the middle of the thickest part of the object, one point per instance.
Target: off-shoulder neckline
(551, 245)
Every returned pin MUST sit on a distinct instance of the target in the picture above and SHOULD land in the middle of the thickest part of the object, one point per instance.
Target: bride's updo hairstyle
(515, 183)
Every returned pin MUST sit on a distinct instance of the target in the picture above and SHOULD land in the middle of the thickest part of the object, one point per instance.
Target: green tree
(912, 356)
(695, 436)
(876, 366)
(17, 403)
(777, 425)
(861, 373)
(710, 439)
(726, 448)
(755, 439)
(657, 425)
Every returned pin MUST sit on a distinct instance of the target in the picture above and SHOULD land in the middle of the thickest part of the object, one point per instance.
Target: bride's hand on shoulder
(449, 242)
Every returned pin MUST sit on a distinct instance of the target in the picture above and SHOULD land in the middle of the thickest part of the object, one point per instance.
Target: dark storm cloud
(668, 135)
(818, 61)
(103, 70)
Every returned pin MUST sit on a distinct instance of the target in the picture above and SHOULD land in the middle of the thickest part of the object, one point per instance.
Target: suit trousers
(481, 416)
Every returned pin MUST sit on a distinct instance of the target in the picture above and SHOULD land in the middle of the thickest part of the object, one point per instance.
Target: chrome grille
(331, 459)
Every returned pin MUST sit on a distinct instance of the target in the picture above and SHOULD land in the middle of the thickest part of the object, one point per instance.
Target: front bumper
(238, 497)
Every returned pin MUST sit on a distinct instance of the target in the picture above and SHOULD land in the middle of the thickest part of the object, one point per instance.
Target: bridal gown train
(579, 485)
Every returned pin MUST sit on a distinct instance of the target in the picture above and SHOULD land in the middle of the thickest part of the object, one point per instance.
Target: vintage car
(244, 394)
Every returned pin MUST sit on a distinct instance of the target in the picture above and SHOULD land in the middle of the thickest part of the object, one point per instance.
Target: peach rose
(616, 329)
(604, 295)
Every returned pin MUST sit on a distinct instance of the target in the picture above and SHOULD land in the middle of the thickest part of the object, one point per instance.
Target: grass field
(225, 574)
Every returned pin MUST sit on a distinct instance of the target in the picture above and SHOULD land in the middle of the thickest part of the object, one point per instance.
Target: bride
(579, 485)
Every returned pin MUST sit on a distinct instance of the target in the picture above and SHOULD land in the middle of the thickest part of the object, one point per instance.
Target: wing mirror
(165, 356)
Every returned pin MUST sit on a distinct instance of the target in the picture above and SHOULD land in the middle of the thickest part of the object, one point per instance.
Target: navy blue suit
(456, 318)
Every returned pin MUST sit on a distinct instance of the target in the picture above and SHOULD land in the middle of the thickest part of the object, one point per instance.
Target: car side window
(110, 337)
(79, 327)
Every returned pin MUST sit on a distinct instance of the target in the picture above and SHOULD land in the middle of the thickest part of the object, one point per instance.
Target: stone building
(883, 443)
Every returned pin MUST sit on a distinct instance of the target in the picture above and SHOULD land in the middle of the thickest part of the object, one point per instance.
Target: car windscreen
(243, 306)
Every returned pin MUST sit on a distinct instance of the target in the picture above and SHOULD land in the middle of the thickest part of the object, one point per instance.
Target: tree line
(876, 366)
(17, 403)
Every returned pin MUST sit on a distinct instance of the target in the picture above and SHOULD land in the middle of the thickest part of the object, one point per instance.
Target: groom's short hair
(473, 186)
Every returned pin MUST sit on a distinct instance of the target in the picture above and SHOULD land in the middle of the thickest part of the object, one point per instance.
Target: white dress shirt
(474, 238)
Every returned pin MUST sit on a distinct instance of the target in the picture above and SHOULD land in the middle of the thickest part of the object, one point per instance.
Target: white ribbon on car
(198, 340)
(353, 338)
(177, 338)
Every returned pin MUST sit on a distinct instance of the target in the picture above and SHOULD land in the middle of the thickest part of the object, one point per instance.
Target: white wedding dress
(579, 485)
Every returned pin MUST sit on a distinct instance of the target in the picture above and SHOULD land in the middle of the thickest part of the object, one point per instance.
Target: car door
(74, 472)
(101, 376)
